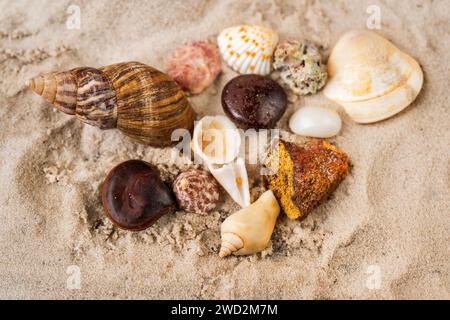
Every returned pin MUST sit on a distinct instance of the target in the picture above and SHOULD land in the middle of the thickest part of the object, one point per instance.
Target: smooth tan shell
(230, 243)
(370, 77)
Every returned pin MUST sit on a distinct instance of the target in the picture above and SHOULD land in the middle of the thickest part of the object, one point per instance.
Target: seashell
(315, 122)
(196, 191)
(370, 77)
(234, 179)
(217, 142)
(134, 196)
(304, 176)
(195, 66)
(249, 230)
(300, 66)
(248, 49)
(142, 102)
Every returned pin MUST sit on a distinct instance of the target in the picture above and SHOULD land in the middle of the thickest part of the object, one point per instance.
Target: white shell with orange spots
(248, 49)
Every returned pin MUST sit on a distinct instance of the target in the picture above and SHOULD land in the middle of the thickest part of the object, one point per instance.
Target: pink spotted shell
(196, 191)
(194, 66)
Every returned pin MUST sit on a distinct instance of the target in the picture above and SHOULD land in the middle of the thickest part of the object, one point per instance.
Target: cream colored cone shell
(370, 77)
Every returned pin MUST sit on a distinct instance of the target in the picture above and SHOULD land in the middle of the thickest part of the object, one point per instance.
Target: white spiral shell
(217, 142)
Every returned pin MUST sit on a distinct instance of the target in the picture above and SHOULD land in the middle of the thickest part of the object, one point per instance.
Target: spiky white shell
(370, 77)
(248, 49)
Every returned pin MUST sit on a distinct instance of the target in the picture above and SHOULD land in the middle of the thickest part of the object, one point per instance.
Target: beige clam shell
(370, 77)
(249, 230)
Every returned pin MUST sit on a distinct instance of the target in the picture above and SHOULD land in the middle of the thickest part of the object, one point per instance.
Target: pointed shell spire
(58, 88)
(84, 92)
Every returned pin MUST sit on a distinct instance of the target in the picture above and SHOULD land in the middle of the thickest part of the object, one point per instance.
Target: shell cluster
(248, 49)
(196, 191)
(370, 77)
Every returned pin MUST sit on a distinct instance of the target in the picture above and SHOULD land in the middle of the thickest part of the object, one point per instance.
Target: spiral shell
(196, 191)
(142, 102)
(370, 77)
(248, 49)
(249, 230)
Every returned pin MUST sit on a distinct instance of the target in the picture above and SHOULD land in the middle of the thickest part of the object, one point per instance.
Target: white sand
(390, 215)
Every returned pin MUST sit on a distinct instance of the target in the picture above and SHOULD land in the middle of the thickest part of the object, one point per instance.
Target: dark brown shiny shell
(151, 105)
(134, 196)
(253, 101)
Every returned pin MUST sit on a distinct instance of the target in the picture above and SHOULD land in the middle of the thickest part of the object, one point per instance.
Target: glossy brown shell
(134, 196)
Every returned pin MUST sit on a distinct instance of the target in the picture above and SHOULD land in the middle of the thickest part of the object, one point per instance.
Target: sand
(383, 234)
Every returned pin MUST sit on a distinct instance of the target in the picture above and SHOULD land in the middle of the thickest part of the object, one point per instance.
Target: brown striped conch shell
(248, 49)
(370, 77)
(142, 102)
(249, 230)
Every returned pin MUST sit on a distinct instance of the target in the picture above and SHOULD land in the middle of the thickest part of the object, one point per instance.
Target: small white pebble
(315, 122)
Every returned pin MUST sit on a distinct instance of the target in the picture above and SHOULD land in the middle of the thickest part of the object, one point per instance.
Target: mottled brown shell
(142, 102)
(196, 191)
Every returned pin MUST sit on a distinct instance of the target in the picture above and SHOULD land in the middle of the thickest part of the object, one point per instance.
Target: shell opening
(216, 140)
